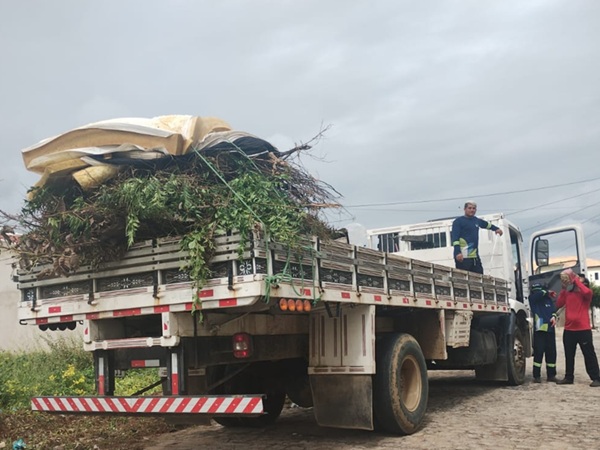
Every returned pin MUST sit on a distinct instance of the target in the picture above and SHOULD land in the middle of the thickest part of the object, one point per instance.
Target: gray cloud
(428, 100)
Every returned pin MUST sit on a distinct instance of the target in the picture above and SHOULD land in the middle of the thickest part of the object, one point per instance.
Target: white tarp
(70, 153)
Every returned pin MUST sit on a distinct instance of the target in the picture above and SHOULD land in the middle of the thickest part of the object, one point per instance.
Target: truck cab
(552, 250)
(501, 256)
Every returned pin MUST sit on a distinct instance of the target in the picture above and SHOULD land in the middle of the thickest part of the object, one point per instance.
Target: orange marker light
(307, 305)
(291, 305)
(283, 305)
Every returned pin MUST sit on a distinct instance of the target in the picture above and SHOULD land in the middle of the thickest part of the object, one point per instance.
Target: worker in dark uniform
(465, 238)
(543, 309)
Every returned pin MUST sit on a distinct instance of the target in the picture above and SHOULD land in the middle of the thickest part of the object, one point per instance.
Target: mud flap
(343, 401)
(498, 370)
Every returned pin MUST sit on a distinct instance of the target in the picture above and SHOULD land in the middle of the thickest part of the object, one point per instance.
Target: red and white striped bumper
(209, 405)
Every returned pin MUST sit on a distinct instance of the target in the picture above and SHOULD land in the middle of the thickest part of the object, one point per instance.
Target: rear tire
(251, 381)
(298, 384)
(400, 386)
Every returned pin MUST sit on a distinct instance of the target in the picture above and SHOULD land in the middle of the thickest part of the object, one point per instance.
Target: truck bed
(150, 280)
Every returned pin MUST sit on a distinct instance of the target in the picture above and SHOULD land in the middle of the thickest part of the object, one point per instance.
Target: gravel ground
(462, 413)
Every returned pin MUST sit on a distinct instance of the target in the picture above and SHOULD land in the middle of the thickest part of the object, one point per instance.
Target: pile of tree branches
(192, 196)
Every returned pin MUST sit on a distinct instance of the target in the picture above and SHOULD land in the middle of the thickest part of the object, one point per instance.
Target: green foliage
(192, 199)
(595, 295)
(199, 245)
(64, 369)
(258, 199)
(135, 380)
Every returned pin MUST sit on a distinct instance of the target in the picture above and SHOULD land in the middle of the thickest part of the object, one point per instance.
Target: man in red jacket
(576, 297)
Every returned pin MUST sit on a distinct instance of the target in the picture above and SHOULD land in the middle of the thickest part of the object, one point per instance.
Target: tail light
(242, 345)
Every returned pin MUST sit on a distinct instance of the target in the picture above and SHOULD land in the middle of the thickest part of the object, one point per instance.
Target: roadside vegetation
(595, 295)
(65, 369)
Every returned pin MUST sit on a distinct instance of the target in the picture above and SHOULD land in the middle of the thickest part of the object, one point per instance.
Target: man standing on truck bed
(465, 238)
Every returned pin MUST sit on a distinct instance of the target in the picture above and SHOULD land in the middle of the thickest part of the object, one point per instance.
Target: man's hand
(553, 322)
(569, 272)
(499, 232)
(459, 257)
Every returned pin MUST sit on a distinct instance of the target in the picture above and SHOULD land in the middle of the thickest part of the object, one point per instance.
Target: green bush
(63, 369)
(595, 295)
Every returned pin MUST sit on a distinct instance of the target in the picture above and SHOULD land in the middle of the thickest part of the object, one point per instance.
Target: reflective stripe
(537, 364)
(551, 365)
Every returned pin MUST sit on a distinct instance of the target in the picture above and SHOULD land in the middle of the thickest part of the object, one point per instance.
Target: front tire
(516, 358)
(400, 386)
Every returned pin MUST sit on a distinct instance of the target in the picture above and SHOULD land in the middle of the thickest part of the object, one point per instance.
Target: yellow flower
(70, 372)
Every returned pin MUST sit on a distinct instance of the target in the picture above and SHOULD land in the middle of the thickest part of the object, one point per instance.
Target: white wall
(14, 336)
(594, 274)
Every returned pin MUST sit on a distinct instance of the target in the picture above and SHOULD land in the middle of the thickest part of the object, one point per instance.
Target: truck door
(555, 250)
(517, 259)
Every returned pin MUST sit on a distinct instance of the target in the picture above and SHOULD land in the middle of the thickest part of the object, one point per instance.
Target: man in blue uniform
(543, 310)
(465, 238)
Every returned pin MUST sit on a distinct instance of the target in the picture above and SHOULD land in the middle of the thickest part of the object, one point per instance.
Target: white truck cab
(552, 250)
(501, 256)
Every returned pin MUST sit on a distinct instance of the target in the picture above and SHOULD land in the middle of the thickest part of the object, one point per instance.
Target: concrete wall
(14, 336)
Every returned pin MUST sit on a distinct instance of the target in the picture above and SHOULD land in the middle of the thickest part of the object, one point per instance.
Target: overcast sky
(430, 103)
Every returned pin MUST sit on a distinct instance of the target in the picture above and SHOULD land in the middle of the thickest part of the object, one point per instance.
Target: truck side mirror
(542, 252)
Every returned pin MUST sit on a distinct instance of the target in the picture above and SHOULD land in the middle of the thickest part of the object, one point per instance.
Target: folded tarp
(96, 152)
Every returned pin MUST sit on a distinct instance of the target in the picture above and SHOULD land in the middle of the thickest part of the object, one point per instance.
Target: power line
(554, 220)
(473, 196)
(554, 202)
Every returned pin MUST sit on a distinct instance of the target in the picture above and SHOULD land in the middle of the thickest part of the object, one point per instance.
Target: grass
(65, 369)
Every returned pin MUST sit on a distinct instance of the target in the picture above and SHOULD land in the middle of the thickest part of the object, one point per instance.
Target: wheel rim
(410, 382)
(519, 355)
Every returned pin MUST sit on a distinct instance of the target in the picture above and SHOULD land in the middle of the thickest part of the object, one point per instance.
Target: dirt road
(462, 413)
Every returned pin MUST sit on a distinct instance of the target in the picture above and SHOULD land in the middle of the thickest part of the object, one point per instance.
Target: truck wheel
(400, 386)
(216, 373)
(297, 383)
(516, 359)
(272, 404)
(250, 382)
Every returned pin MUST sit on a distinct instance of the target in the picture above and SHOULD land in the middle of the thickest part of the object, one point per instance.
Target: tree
(595, 301)
(595, 295)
